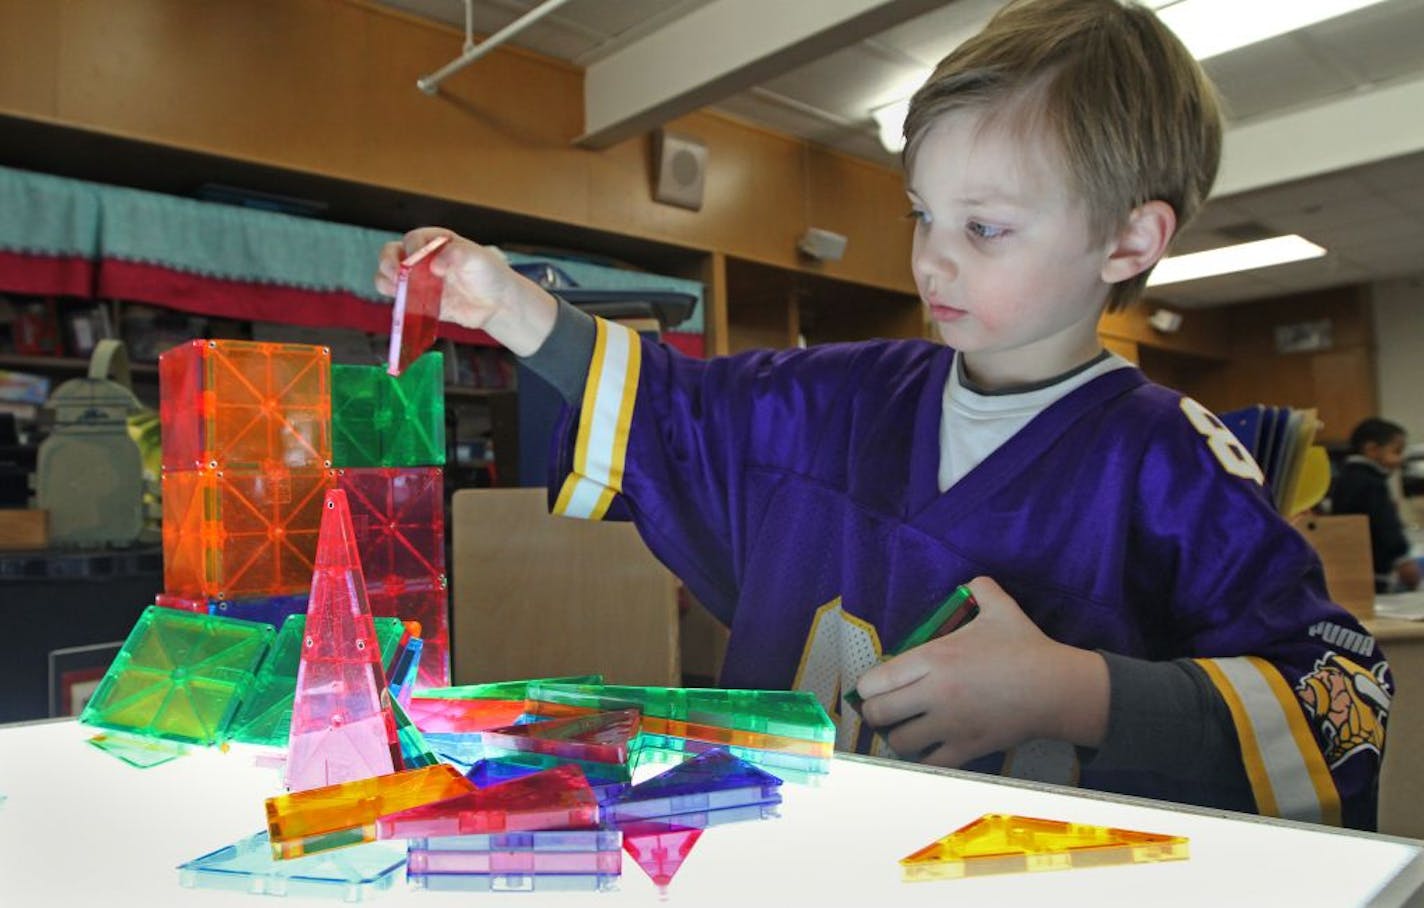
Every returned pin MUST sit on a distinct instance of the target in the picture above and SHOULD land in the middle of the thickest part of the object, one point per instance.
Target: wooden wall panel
(752, 199)
(271, 80)
(29, 57)
(1340, 382)
(1346, 391)
(866, 204)
(327, 87)
(498, 134)
(1201, 334)
(1127, 349)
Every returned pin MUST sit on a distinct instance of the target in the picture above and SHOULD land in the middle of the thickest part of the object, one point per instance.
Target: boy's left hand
(993, 684)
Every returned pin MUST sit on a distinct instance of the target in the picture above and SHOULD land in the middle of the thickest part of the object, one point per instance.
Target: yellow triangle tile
(1002, 843)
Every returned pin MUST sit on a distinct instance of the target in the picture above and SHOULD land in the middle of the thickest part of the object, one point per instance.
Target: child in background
(1148, 624)
(1362, 487)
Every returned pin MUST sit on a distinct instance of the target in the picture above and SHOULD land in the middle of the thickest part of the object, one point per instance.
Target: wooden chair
(1343, 543)
(536, 595)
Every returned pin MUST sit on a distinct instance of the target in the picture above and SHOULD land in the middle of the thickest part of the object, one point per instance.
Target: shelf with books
(24, 362)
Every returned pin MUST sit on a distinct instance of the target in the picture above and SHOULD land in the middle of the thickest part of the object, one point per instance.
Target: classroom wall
(1340, 381)
(1399, 339)
(328, 87)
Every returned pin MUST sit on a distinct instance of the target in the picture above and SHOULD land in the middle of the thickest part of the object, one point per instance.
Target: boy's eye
(918, 215)
(986, 231)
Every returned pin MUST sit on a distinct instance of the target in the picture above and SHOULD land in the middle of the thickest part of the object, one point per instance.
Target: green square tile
(180, 676)
(379, 420)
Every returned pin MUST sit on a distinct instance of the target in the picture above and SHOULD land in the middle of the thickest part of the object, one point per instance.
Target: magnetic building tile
(513, 882)
(787, 766)
(179, 676)
(505, 690)
(558, 798)
(320, 819)
(524, 862)
(399, 518)
(660, 851)
(1001, 843)
(709, 781)
(532, 840)
(341, 729)
(791, 714)
(425, 601)
(604, 737)
(233, 534)
(380, 420)
(447, 716)
(265, 716)
(350, 875)
(245, 405)
(415, 312)
(271, 610)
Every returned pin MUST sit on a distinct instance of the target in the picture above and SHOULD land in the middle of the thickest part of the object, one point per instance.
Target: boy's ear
(1140, 242)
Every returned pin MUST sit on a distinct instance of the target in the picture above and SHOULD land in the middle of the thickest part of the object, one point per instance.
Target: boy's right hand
(481, 290)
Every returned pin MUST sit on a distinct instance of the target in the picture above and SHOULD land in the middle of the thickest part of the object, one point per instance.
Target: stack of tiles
(786, 732)
(603, 745)
(547, 861)
(388, 446)
(455, 718)
(536, 832)
(246, 465)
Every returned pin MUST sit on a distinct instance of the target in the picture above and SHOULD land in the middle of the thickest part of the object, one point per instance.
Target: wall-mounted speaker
(822, 245)
(679, 169)
(1166, 321)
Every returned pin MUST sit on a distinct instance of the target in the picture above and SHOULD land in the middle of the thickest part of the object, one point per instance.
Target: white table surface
(81, 828)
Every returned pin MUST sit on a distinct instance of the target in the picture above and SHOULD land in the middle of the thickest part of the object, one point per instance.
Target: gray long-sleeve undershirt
(1163, 717)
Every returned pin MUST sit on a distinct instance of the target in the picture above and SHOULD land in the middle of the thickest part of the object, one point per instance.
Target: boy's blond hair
(1135, 117)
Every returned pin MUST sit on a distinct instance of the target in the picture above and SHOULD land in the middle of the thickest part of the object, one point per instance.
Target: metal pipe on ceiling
(431, 83)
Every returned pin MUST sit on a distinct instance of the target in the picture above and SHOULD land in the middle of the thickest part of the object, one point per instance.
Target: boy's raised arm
(481, 290)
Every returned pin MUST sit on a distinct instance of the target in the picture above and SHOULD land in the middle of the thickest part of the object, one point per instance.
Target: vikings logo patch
(1348, 704)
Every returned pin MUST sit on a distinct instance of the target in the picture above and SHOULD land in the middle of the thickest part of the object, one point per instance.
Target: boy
(1377, 447)
(1148, 624)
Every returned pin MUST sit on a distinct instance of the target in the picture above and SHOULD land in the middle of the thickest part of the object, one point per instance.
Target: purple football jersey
(795, 493)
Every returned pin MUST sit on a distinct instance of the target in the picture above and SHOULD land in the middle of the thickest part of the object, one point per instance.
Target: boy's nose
(932, 266)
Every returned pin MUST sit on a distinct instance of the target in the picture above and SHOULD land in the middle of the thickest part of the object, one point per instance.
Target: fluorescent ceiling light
(1229, 259)
(1206, 27)
(1211, 27)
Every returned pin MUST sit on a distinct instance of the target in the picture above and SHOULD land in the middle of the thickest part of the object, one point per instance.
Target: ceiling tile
(848, 83)
(761, 110)
(1301, 195)
(1378, 43)
(1394, 175)
(1272, 75)
(1386, 230)
(614, 17)
(1225, 288)
(929, 37)
(1218, 213)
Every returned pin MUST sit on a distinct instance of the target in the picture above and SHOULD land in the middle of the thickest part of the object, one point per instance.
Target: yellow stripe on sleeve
(1245, 733)
(605, 418)
(1320, 777)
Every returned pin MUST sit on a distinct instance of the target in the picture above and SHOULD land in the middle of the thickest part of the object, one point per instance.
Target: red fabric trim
(145, 283)
(46, 275)
(684, 342)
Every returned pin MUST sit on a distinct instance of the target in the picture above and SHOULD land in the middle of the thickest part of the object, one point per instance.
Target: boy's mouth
(942, 313)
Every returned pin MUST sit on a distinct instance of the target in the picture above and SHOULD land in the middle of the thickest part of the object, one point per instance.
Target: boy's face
(1003, 253)
(1390, 455)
